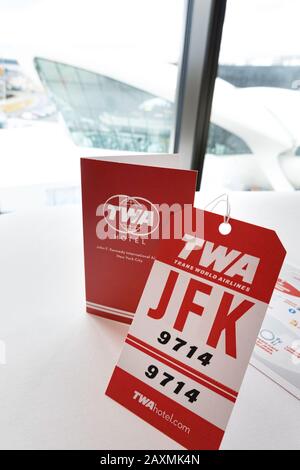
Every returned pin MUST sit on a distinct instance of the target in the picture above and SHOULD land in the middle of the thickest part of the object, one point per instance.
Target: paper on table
(277, 350)
(121, 205)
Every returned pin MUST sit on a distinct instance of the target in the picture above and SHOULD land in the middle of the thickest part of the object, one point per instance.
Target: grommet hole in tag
(225, 228)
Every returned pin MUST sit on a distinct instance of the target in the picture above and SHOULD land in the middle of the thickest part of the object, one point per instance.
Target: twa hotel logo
(127, 215)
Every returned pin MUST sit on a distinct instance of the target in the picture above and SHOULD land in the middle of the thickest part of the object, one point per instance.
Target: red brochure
(195, 328)
(121, 223)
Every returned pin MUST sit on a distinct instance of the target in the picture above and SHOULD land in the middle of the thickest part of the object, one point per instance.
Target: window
(83, 78)
(108, 113)
(223, 142)
(256, 102)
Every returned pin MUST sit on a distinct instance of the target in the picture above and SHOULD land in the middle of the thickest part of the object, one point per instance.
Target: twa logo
(143, 400)
(129, 215)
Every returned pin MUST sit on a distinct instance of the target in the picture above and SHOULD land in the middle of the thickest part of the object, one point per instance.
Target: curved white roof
(156, 78)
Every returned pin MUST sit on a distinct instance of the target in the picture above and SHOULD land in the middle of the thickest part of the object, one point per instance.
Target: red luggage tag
(188, 348)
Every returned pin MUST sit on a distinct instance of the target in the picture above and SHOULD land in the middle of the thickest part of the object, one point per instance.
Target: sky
(153, 26)
(260, 31)
(255, 30)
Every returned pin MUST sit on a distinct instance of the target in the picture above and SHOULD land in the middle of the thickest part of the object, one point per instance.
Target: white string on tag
(225, 227)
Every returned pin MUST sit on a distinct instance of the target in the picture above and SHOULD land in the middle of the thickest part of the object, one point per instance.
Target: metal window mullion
(198, 69)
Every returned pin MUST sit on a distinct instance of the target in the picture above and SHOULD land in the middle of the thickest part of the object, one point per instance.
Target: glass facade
(255, 119)
(222, 142)
(102, 112)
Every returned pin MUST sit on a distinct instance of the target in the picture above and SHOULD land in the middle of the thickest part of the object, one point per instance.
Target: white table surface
(59, 359)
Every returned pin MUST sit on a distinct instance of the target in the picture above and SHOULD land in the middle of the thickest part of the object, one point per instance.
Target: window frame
(197, 74)
(197, 70)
